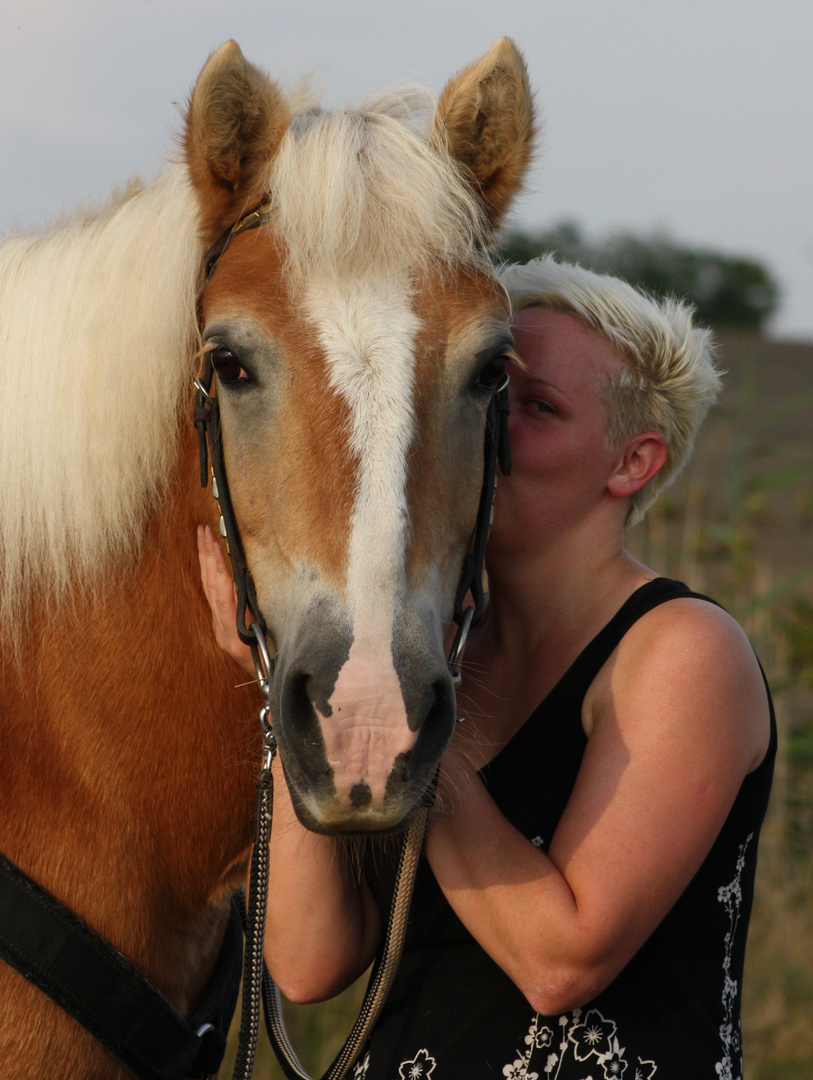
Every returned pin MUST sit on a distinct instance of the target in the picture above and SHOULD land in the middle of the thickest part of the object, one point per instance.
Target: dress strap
(581, 673)
(560, 711)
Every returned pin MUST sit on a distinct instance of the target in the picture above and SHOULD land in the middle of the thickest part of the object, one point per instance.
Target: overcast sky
(692, 117)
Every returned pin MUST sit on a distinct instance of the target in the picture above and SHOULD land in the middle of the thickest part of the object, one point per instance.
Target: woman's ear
(639, 460)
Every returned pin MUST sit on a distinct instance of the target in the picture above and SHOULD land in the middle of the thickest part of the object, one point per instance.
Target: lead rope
(381, 979)
(253, 963)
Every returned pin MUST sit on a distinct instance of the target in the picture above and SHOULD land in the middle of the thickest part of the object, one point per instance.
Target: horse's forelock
(364, 188)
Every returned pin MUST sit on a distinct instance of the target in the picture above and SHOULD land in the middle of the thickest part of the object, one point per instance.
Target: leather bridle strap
(106, 993)
(207, 422)
(258, 216)
(496, 451)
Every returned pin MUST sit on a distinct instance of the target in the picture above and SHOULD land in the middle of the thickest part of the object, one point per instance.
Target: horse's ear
(234, 123)
(485, 118)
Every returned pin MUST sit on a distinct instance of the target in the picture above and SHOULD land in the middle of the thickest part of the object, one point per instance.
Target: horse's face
(353, 393)
(353, 420)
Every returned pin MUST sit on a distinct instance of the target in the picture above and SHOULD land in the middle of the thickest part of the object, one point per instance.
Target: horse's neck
(128, 767)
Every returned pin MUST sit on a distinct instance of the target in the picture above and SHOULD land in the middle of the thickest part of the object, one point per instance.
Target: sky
(690, 118)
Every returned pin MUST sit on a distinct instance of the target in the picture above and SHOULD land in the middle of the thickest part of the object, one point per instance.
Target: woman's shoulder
(668, 623)
(689, 662)
(690, 631)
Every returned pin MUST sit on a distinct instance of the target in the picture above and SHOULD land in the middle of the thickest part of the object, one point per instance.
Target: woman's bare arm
(220, 592)
(323, 926)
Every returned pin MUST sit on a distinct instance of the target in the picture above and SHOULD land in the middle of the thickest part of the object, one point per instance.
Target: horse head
(357, 337)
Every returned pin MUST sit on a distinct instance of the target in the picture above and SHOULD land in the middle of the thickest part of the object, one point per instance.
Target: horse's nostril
(298, 703)
(440, 699)
(400, 769)
(360, 795)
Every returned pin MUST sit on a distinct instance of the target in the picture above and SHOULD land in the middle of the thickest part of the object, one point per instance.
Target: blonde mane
(97, 339)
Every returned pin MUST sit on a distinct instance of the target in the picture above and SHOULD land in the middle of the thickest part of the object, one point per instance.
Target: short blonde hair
(668, 379)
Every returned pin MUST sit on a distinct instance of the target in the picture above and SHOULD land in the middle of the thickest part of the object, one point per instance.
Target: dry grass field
(739, 526)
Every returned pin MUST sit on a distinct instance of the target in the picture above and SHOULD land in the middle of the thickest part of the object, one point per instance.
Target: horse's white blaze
(368, 330)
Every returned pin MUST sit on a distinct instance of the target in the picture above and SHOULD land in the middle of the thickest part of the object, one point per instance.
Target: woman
(583, 902)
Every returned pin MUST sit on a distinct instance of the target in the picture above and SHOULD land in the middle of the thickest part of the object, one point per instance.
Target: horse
(356, 335)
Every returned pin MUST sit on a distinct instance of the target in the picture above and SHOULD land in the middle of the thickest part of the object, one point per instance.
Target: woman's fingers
(225, 591)
(207, 557)
(221, 595)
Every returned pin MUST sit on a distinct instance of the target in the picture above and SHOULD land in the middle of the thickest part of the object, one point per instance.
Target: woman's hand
(219, 590)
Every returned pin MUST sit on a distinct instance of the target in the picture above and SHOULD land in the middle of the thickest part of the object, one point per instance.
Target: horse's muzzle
(360, 757)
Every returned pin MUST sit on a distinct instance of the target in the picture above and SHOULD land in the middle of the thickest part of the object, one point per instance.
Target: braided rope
(381, 978)
(253, 965)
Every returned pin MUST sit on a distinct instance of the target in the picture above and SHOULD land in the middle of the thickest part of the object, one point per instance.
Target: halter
(257, 983)
(258, 216)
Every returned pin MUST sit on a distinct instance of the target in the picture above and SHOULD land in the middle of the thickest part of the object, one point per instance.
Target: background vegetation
(727, 290)
(739, 526)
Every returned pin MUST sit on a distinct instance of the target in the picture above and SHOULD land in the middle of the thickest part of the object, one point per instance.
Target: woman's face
(560, 458)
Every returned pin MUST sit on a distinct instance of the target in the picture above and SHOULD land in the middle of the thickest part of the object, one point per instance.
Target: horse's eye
(228, 367)
(492, 374)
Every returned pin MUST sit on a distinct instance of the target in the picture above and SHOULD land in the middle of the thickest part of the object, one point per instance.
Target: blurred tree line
(727, 291)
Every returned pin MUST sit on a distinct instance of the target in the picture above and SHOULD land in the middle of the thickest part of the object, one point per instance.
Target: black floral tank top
(673, 1013)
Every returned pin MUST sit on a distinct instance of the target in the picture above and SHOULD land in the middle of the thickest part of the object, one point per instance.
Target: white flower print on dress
(537, 1036)
(519, 1071)
(421, 1066)
(613, 1063)
(584, 1037)
(645, 1070)
(730, 896)
(594, 1036)
(360, 1071)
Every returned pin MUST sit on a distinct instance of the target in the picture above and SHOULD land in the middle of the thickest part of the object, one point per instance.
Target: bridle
(257, 983)
(496, 452)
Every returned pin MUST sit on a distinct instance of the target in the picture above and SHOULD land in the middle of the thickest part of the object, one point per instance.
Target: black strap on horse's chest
(106, 993)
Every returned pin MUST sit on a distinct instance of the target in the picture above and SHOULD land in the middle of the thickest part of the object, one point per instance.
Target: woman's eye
(542, 406)
(228, 367)
(492, 374)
